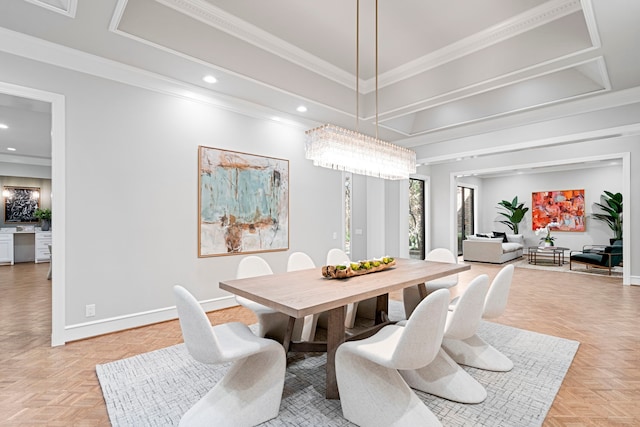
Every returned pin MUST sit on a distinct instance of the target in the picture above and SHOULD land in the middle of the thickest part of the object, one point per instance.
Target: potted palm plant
(612, 207)
(514, 213)
(44, 215)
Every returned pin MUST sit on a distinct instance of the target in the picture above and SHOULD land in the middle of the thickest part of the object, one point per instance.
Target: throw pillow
(500, 234)
(482, 235)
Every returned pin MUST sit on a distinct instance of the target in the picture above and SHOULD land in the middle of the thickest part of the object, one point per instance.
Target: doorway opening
(465, 208)
(57, 164)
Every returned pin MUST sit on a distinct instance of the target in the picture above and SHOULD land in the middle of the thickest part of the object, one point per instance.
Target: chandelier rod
(376, 69)
(357, 65)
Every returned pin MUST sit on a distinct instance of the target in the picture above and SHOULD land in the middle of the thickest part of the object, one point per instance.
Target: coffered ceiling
(441, 65)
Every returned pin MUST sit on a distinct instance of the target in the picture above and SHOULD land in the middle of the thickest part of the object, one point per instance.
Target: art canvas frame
(243, 203)
(565, 207)
(21, 205)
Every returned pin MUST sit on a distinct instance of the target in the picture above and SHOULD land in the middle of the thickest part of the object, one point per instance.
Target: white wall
(593, 180)
(131, 175)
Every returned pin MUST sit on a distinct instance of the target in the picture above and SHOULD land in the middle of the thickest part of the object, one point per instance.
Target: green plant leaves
(613, 209)
(515, 213)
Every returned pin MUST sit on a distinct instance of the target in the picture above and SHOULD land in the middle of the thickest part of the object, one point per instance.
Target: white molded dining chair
(302, 261)
(372, 392)
(444, 377)
(411, 295)
(474, 351)
(251, 391)
(337, 256)
(271, 323)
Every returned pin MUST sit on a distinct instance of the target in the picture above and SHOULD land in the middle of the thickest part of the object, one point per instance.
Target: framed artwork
(243, 203)
(565, 208)
(20, 203)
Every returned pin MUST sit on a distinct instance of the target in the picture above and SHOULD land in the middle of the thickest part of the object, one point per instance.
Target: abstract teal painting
(243, 203)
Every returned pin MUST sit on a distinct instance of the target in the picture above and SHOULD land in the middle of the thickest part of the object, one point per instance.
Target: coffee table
(546, 254)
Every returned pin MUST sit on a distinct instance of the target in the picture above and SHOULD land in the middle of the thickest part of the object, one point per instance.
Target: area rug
(577, 268)
(156, 388)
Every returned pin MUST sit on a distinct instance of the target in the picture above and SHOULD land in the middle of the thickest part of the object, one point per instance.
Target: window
(347, 213)
(416, 219)
(465, 214)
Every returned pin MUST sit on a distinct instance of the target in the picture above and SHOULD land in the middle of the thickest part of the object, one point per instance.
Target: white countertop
(14, 230)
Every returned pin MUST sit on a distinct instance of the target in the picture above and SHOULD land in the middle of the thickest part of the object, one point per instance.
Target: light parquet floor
(40, 385)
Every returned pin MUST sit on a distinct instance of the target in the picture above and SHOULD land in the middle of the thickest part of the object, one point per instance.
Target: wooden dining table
(306, 292)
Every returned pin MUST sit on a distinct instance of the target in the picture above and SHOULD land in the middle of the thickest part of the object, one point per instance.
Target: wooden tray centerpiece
(357, 268)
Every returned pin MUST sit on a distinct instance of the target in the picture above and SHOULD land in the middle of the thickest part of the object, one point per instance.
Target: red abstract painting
(566, 208)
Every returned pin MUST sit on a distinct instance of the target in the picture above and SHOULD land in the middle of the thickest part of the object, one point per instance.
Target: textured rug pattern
(156, 388)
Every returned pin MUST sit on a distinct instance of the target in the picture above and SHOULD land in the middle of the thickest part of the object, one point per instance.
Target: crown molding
(24, 160)
(40, 50)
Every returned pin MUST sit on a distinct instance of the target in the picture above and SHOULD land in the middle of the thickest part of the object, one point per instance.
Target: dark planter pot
(45, 225)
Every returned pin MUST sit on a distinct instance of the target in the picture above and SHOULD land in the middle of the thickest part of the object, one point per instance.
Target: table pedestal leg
(382, 309)
(422, 291)
(335, 337)
(286, 341)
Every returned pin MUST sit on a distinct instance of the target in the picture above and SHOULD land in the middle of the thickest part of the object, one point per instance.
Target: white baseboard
(635, 280)
(105, 326)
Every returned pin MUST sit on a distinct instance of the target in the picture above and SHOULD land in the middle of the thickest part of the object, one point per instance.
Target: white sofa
(492, 249)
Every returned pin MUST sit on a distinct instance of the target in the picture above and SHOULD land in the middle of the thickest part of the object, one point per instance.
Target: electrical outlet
(90, 310)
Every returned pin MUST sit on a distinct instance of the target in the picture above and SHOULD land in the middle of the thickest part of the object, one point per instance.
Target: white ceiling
(442, 65)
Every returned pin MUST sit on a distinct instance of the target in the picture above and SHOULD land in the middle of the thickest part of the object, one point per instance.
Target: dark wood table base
(336, 335)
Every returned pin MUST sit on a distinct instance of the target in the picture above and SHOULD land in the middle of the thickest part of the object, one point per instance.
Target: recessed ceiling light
(209, 79)
(301, 109)
(3, 126)
(11, 149)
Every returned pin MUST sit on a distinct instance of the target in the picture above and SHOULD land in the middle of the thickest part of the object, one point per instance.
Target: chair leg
(309, 327)
(248, 395)
(372, 395)
(350, 317)
(445, 378)
(475, 352)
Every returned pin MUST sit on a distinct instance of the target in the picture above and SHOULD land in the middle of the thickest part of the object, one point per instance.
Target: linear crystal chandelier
(334, 147)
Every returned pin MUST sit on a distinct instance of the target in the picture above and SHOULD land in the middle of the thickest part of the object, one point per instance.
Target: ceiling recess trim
(64, 7)
(448, 98)
(527, 21)
(230, 24)
(223, 21)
